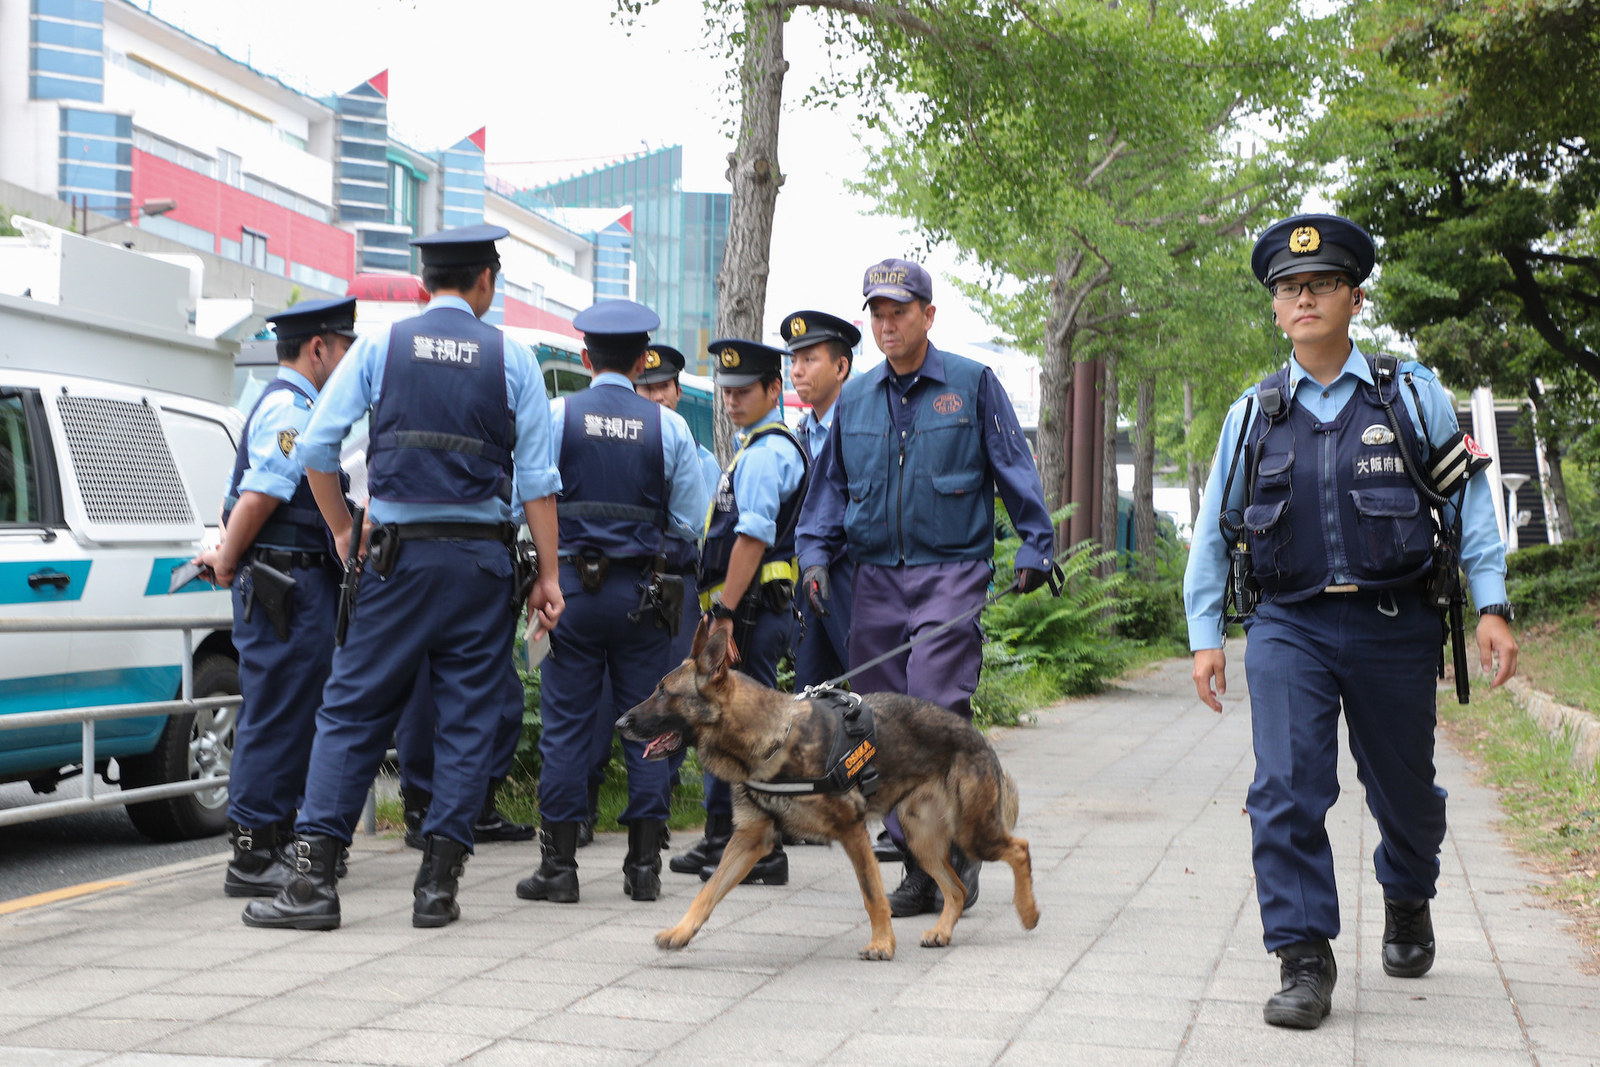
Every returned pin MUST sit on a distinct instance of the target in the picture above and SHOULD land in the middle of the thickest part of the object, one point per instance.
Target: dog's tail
(1008, 800)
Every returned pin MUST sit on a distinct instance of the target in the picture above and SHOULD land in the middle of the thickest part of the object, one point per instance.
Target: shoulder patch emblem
(1474, 448)
(286, 440)
(947, 403)
(1377, 434)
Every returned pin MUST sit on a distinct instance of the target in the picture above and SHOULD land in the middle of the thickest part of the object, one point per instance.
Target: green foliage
(1550, 581)
(1150, 610)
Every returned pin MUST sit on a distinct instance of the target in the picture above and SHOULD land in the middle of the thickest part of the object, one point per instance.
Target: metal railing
(90, 715)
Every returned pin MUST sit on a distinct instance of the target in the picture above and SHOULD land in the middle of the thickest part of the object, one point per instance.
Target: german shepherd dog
(934, 769)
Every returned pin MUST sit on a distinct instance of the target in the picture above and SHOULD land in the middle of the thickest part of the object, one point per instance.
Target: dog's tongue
(662, 745)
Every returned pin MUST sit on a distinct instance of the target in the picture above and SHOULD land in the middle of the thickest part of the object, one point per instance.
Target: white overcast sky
(560, 81)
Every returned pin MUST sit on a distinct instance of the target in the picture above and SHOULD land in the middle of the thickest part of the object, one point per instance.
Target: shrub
(1549, 581)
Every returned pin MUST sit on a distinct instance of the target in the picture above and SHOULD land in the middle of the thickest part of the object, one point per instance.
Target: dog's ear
(700, 632)
(711, 658)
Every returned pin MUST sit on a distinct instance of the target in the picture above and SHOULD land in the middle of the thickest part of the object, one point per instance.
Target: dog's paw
(876, 951)
(1030, 918)
(935, 938)
(674, 938)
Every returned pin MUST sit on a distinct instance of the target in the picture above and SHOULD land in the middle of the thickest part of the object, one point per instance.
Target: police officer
(1341, 542)
(460, 431)
(630, 485)
(905, 485)
(747, 565)
(284, 637)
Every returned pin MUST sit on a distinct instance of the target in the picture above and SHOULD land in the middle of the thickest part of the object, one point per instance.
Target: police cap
(736, 362)
(312, 318)
(662, 363)
(464, 246)
(898, 279)
(805, 328)
(616, 317)
(1313, 243)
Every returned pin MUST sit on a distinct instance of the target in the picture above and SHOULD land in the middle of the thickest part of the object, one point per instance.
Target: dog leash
(1053, 577)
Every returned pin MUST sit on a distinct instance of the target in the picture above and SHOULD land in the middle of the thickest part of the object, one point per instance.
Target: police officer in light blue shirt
(747, 560)
(460, 432)
(271, 522)
(1341, 542)
(631, 488)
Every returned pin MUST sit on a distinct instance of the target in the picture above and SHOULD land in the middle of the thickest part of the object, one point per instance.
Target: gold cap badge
(652, 359)
(797, 327)
(730, 357)
(1304, 239)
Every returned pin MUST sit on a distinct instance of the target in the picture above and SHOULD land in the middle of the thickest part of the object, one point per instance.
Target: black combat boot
(437, 881)
(492, 825)
(967, 870)
(311, 899)
(586, 827)
(556, 880)
(1308, 974)
(641, 871)
(706, 852)
(1407, 938)
(885, 849)
(259, 867)
(771, 869)
(917, 894)
(414, 803)
(286, 848)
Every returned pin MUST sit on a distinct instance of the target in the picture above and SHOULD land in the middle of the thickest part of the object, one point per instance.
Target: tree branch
(1538, 313)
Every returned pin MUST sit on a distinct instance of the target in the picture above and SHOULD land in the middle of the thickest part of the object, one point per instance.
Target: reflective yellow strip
(776, 571)
(40, 899)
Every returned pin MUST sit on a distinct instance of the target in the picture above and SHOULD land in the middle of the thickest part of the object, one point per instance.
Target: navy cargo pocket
(1394, 533)
(961, 517)
(1268, 537)
(866, 515)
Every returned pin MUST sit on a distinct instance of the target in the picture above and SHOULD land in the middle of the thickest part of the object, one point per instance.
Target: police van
(117, 439)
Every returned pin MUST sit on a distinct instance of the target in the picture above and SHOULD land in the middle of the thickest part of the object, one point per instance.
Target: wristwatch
(1502, 610)
(719, 610)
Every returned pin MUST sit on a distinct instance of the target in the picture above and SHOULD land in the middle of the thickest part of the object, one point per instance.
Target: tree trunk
(1556, 486)
(1055, 390)
(753, 172)
(1085, 429)
(1109, 495)
(1192, 468)
(1144, 465)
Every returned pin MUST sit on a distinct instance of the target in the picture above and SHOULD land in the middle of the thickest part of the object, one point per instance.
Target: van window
(19, 475)
(205, 452)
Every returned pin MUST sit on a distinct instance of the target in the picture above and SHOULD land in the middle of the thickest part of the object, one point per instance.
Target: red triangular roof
(380, 82)
(480, 138)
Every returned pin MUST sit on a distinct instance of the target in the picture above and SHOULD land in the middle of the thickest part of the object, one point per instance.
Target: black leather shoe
(641, 870)
(967, 870)
(556, 880)
(414, 804)
(311, 899)
(492, 825)
(706, 852)
(885, 849)
(586, 833)
(916, 895)
(771, 869)
(438, 879)
(1308, 974)
(1407, 938)
(259, 867)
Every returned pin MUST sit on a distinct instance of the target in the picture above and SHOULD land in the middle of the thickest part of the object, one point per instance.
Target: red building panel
(521, 314)
(221, 209)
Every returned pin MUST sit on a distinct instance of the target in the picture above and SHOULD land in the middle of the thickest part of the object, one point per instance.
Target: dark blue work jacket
(1334, 498)
(613, 480)
(442, 427)
(296, 523)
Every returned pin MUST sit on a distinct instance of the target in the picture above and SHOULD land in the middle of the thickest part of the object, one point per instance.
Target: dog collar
(850, 761)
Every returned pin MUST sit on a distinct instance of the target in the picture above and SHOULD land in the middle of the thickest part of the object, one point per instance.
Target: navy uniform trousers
(892, 605)
(1303, 661)
(761, 646)
(414, 733)
(282, 684)
(596, 643)
(823, 651)
(448, 601)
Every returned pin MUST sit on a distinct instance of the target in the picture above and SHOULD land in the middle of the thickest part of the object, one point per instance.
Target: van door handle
(55, 578)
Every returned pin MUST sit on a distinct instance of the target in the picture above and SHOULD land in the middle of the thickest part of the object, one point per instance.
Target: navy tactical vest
(1332, 503)
(295, 523)
(721, 524)
(614, 492)
(442, 429)
(929, 498)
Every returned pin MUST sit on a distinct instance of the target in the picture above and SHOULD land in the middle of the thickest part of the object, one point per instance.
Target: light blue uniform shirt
(354, 389)
(710, 470)
(814, 431)
(767, 474)
(281, 411)
(687, 493)
(1483, 554)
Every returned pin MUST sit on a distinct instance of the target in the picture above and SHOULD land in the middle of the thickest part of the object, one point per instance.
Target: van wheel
(193, 746)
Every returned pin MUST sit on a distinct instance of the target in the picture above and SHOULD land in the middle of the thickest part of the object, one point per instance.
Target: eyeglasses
(1318, 287)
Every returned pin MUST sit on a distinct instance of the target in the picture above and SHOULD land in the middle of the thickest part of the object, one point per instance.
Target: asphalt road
(54, 853)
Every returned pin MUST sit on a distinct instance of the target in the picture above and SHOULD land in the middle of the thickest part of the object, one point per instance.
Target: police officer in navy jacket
(271, 519)
(631, 487)
(460, 433)
(1341, 542)
(905, 486)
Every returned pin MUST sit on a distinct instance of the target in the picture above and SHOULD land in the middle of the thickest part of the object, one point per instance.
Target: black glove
(815, 584)
(1029, 579)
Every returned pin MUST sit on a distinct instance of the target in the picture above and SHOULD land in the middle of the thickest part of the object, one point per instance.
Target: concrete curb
(1561, 721)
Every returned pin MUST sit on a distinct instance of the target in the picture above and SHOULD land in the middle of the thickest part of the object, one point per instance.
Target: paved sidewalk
(1148, 952)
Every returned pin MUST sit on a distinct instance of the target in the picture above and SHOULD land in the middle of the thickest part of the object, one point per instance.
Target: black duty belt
(285, 559)
(850, 761)
(503, 532)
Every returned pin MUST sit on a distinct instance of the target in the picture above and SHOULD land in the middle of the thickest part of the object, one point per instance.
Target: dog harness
(850, 761)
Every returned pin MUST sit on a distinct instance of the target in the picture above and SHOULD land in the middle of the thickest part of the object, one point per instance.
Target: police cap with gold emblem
(1313, 243)
(312, 318)
(736, 362)
(662, 363)
(463, 246)
(804, 328)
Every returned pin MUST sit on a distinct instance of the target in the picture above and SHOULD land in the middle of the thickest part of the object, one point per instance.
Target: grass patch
(1563, 659)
